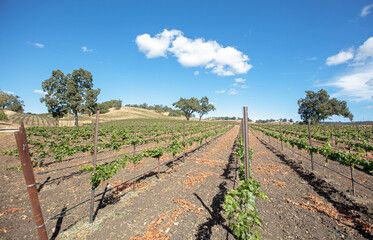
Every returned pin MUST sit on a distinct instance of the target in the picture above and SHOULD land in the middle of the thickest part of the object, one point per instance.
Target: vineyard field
(146, 188)
(61, 175)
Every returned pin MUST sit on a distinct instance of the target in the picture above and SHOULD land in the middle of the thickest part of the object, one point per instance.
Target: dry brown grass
(158, 229)
(10, 210)
(209, 162)
(270, 169)
(140, 186)
(130, 113)
(275, 182)
(201, 177)
(314, 204)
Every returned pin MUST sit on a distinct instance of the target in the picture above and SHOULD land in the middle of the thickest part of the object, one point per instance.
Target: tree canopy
(4, 97)
(205, 107)
(11, 102)
(187, 106)
(72, 93)
(317, 106)
(191, 105)
(104, 107)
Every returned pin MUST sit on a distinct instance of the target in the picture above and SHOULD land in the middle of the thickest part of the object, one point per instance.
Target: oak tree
(4, 97)
(205, 107)
(11, 102)
(318, 106)
(15, 104)
(187, 106)
(69, 93)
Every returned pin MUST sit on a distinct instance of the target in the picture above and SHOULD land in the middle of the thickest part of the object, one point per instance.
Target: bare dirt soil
(63, 189)
(306, 203)
(184, 200)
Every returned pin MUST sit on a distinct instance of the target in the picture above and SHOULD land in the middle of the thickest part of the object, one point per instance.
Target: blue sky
(260, 54)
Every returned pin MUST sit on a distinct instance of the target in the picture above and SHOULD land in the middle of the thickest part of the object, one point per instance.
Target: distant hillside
(68, 120)
(131, 112)
(29, 119)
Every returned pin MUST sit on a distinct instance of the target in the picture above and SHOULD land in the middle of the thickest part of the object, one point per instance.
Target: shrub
(3, 116)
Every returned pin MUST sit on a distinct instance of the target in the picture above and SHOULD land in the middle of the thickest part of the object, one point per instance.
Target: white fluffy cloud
(220, 91)
(38, 91)
(357, 85)
(38, 45)
(363, 55)
(341, 57)
(365, 51)
(223, 61)
(85, 49)
(366, 10)
(156, 46)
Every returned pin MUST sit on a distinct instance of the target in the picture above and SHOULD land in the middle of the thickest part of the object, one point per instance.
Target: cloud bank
(223, 61)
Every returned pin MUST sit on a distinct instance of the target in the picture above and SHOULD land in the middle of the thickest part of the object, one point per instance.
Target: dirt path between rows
(303, 205)
(183, 202)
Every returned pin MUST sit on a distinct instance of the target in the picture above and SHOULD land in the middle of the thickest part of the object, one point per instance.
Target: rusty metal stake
(28, 173)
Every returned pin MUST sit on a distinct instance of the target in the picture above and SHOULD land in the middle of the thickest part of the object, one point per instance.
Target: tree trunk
(76, 118)
(200, 117)
(187, 117)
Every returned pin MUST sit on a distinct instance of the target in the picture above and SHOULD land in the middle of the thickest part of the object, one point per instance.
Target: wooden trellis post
(282, 148)
(94, 168)
(245, 137)
(310, 141)
(184, 139)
